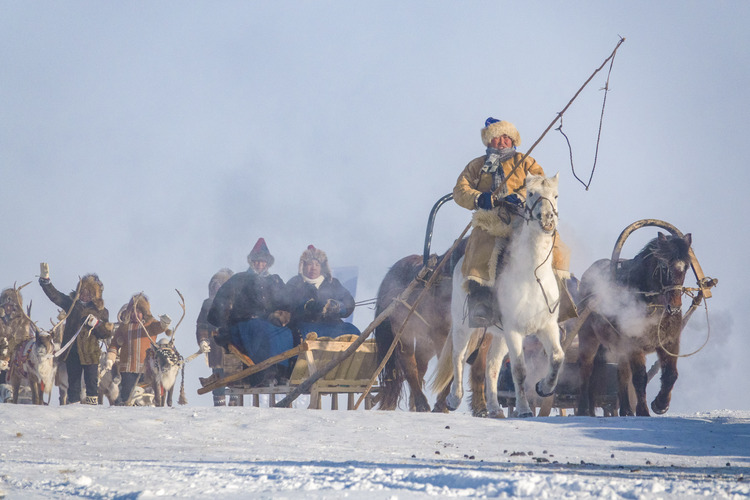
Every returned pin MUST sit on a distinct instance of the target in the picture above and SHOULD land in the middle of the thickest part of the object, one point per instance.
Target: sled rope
(598, 135)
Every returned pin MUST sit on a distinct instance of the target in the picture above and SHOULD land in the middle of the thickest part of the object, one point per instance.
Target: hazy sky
(153, 143)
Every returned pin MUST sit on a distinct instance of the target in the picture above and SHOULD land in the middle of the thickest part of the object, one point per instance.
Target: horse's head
(541, 200)
(672, 256)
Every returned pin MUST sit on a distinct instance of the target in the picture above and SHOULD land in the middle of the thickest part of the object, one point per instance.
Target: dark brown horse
(423, 336)
(635, 311)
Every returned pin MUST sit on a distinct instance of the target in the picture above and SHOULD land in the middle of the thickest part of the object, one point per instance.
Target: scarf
(317, 281)
(495, 157)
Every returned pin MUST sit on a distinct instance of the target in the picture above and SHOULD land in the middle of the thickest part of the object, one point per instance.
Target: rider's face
(501, 142)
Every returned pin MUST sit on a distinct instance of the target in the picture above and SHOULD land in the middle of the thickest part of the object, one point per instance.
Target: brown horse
(633, 313)
(423, 336)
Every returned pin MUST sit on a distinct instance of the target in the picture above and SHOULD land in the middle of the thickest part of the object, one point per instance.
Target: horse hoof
(479, 413)
(452, 402)
(542, 392)
(496, 414)
(657, 410)
(526, 414)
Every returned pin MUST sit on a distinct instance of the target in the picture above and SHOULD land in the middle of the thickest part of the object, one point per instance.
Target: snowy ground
(242, 452)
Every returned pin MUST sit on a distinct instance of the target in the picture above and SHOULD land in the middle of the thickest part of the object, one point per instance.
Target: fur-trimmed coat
(307, 303)
(87, 342)
(489, 234)
(133, 343)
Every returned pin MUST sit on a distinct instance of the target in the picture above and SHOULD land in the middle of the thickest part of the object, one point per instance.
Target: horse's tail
(444, 371)
(392, 376)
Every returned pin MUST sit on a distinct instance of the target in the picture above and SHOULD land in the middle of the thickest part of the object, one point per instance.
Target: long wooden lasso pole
(559, 115)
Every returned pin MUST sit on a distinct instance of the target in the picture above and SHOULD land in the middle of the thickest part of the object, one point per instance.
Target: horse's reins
(528, 216)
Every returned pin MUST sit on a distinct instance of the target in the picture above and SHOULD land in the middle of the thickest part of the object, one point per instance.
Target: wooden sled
(350, 377)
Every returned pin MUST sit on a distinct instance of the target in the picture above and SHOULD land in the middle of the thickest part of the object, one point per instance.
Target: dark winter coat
(206, 331)
(87, 342)
(245, 296)
(311, 305)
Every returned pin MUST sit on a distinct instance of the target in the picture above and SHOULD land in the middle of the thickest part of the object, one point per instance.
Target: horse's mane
(634, 271)
(675, 248)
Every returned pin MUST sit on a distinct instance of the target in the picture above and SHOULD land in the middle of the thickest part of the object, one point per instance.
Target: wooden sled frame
(352, 376)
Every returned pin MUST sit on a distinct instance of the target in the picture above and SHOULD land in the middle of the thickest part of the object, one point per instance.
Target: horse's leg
(497, 350)
(587, 347)
(660, 404)
(518, 369)
(640, 379)
(624, 379)
(550, 338)
(169, 396)
(422, 359)
(460, 342)
(478, 369)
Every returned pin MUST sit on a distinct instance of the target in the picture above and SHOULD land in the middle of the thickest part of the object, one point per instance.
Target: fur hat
(219, 278)
(495, 128)
(11, 295)
(143, 306)
(313, 253)
(260, 252)
(93, 284)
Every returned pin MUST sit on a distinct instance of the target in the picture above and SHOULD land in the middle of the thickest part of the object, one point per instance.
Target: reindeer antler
(182, 305)
(26, 314)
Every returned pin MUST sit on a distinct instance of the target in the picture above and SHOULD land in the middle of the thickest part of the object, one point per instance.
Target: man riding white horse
(491, 184)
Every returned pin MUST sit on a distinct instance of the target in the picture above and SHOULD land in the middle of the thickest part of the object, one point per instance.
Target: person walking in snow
(15, 327)
(490, 186)
(86, 324)
(136, 331)
(205, 333)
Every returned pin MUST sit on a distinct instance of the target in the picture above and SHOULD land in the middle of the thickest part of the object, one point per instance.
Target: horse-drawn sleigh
(627, 308)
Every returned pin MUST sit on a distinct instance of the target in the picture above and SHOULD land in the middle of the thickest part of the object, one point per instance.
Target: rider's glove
(332, 308)
(513, 199)
(485, 201)
(91, 320)
(204, 346)
(313, 306)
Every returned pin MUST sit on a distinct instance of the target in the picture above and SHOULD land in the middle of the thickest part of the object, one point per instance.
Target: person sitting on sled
(318, 301)
(490, 185)
(248, 311)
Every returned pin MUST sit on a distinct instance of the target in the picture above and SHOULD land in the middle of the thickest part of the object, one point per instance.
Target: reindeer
(164, 362)
(35, 360)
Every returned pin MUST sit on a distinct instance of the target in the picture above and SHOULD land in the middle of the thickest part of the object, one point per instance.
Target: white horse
(527, 292)
(528, 298)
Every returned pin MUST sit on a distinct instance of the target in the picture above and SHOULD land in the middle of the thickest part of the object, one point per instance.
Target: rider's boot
(480, 305)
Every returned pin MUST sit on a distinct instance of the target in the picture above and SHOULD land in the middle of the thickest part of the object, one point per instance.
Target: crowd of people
(260, 314)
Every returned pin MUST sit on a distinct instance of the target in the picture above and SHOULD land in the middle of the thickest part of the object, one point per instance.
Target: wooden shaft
(243, 357)
(253, 369)
(408, 317)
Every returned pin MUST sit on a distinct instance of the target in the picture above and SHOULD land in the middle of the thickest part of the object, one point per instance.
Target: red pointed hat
(260, 252)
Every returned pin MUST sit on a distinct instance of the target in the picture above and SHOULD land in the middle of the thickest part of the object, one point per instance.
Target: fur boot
(92, 400)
